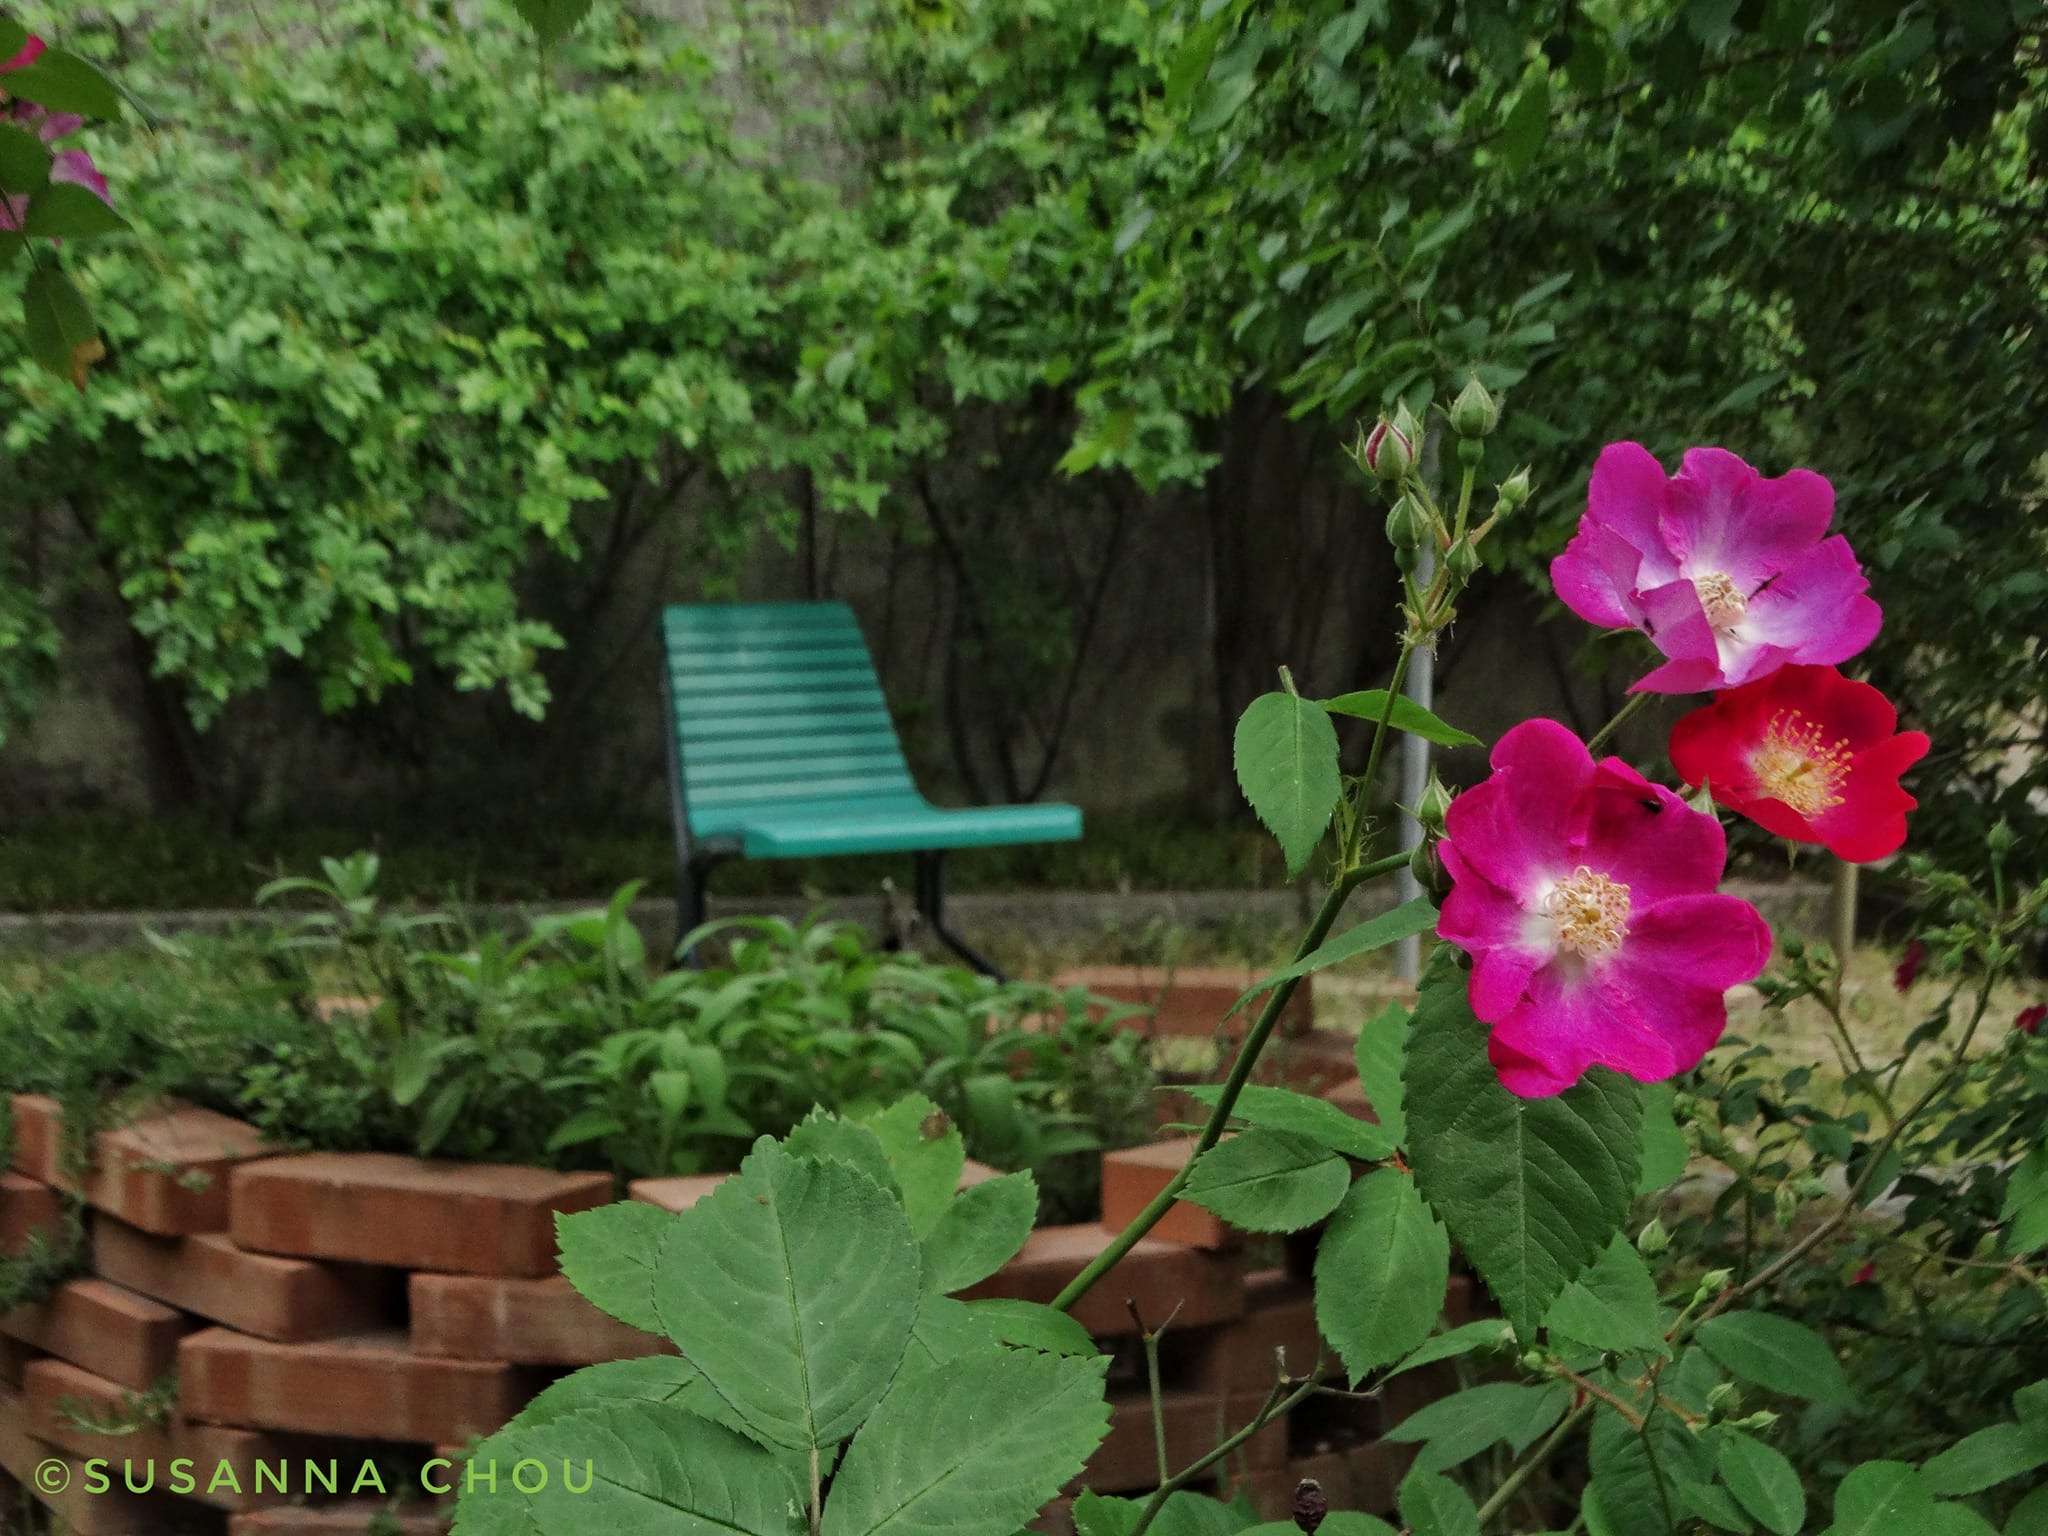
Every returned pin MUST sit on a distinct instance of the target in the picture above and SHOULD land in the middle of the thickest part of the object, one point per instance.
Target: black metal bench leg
(931, 904)
(693, 896)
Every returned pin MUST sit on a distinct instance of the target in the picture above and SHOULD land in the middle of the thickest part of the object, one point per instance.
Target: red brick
(1240, 1358)
(1132, 1176)
(52, 1386)
(1128, 1457)
(274, 1298)
(372, 1386)
(1191, 1000)
(377, 1208)
(1349, 1096)
(528, 1322)
(15, 1357)
(115, 1512)
(107, 1330)
(678, 1193)
(1155, 1274)
(165, 1172)
(27, 1206)
(349, 1517)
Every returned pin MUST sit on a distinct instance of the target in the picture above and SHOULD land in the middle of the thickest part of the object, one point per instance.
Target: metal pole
(1414, 777)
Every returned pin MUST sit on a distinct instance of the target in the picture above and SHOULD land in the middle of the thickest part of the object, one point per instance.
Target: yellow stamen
(1723, 601)
(1798, 765)
(1591, 913)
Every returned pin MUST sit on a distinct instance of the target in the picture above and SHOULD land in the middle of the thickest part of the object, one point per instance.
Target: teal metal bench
(780, 746)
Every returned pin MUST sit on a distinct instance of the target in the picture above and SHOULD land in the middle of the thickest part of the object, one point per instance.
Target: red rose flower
(1864, 1275)
(2028, 1020)
(1908, 969)
(1807, 754)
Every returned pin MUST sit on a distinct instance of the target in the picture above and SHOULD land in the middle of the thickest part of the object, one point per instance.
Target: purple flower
(1730, 574)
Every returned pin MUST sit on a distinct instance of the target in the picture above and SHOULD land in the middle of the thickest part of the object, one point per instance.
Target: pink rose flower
(1729, 573)
(1585, 896)
(30, 52)
(66, 165)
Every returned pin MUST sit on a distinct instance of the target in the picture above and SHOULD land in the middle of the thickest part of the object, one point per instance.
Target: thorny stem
(1347, 879)
(1150, 1336)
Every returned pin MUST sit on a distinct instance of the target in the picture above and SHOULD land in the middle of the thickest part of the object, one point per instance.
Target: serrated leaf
(1879, 1498)
(1487, 1333)
(1381, 1272)
(648, 1467)
(1268, 1181)
(1380, 1053)
(1432, 1505)
(58, 324)
(1371, 704)
(1183, 1514)
(1775, 1352)
(63, 82)
(553, 20)
(1405, 921)
(66, 211)
(1986, 1458)
(1612, 1305)
(1664, 1148)
(925, 1154)
(609, 1255)
(650, 1379)
(803, 1317)
(1763, 1482)
(1527, 124)
(822, 1134)
(945, 1331)
(969, 1453)
(2026, 1204)
(1282, 1109)
(1457, 1428)
(980, 1232)
(1285, 750)
(1338, 1522)
(1033, 1325)
(1531, 1189)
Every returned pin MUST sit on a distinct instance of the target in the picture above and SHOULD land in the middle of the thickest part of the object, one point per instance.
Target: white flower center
(1590, 911)
(1796, 764)
(1723, 601)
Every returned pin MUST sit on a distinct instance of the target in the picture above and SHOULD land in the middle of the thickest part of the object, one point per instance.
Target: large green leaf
(1775, 1352)
(822, 1134)
(2026, 1204)
(1457, 1428)
(609, 1256)
(1405, 921)
(1487, 1333)
(793, 1287)
(1763, 1482)
(66, 211)
(1381, 1271)
(1612, 1306)
(969, 1452)
(1532, 1189)
(1282, 1109)
(2029, 1516)
(979, 1232)
(1409, 716)
(925, 1154)
(1268, 1181)
(24, 160)
(1033, 1325)
(1286, 754)
(1988, 1457)
(1433, 1505)
(1880, 1498)
(1664, 1146)
(58, 324)
(64, 82)
(1381, 1051)
(650, 1379)
(651, 1470)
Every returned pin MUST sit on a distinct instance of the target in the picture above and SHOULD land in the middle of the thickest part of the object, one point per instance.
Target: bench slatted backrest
(776, 702)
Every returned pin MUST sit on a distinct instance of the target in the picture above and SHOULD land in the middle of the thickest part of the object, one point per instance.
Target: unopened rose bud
(1712, 1284)
(1785, 1204)
(1462, 559)
(1406, 424)
(1701, 799)
(1407, 524)
(1793, 945)
(1653, 1239)
(1763, 1418)
(2000, 839)
(1514, 490)
(1310, 1505)
(1434, 805)
(1474, 413)
(1388, 452)
(1724, 1400)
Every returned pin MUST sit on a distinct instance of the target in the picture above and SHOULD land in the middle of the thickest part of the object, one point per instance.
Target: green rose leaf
(24, 159)
(979, 1232)
(60, 330)
(1775, 1352)
(1531, 1189)
(1763, 1482)
(609, 1256)
(1033, 1325)
(1459, 1427)
(1881, 1498)
(1381, 1051)
(1612, 1305)
(553, 20)
(1268, 1181)
(2026, 1204)
(1282, 1109)
(1381, 1271)
(969, 1452)
(1432, 1505)
(1409, 716)
(1664, 1148)
(1988, 1457)
(64, 82)
(925, 1153)
(64, 210)
(1286, 754)
(1405, 921)
(822, 1134)
(1465, 1339)
(946, 1330)
(793, 1287)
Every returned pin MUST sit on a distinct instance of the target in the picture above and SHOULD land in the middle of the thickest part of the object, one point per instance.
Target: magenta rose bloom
(66, 165)
(1585, 896)
(1730, 574)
